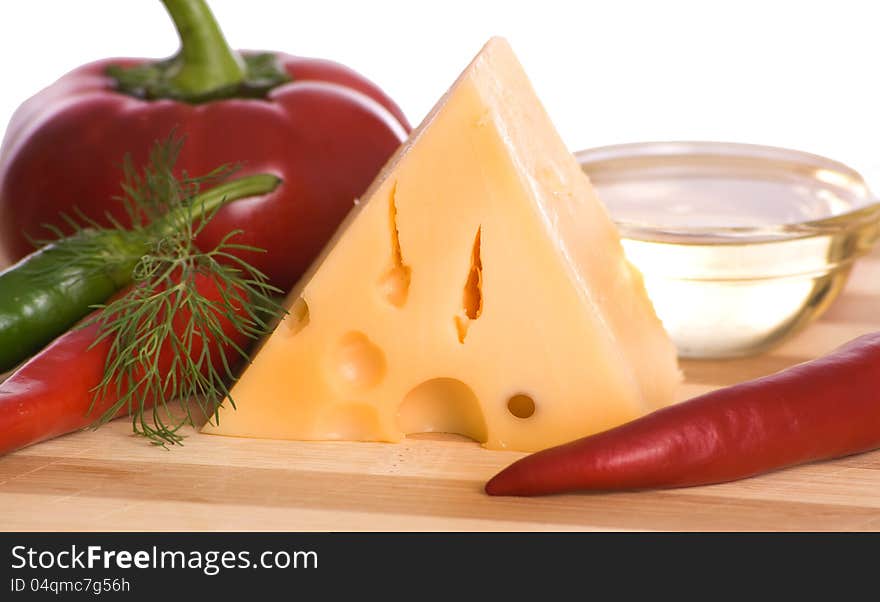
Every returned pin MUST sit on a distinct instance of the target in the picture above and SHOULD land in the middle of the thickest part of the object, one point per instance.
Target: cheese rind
(479, 288)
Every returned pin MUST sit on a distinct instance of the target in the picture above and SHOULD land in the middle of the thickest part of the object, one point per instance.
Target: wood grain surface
(110, 480)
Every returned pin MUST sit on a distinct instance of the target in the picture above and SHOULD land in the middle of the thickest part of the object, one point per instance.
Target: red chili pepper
(822, 409)
(324, 129)
(50, 394)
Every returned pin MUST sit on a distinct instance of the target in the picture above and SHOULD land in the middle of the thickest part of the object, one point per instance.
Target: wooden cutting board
(110, 480)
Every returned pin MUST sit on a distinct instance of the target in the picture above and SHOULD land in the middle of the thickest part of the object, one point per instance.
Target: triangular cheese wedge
(479, 288)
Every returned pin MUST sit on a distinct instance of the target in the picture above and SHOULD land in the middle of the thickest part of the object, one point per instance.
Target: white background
(799, 74)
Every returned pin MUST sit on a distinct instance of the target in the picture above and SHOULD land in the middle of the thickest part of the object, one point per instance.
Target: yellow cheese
(479, 288)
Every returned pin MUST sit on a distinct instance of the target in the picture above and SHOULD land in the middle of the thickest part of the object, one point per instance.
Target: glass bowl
(740, 245)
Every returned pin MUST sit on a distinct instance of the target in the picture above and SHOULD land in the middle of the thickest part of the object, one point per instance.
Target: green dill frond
(151, 192)
(168, 340)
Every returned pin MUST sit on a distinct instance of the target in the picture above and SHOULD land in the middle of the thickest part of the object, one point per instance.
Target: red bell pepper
(822, 409)
(324, 129)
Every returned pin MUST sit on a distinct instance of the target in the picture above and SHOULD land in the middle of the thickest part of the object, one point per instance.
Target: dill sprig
(152, 191)
(153, 358)
(188, 313)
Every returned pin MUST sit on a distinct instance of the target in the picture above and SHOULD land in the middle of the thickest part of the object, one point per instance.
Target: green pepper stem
(206, 62)
(210, 200)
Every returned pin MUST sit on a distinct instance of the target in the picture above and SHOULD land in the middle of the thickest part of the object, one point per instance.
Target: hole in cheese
(473, 290)
(356, 363)
(394, 284)
(472, 297)
(521, 406)
(297, 316)
(442, 405)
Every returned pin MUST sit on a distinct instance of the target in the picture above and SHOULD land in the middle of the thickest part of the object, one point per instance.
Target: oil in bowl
(740, 245)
